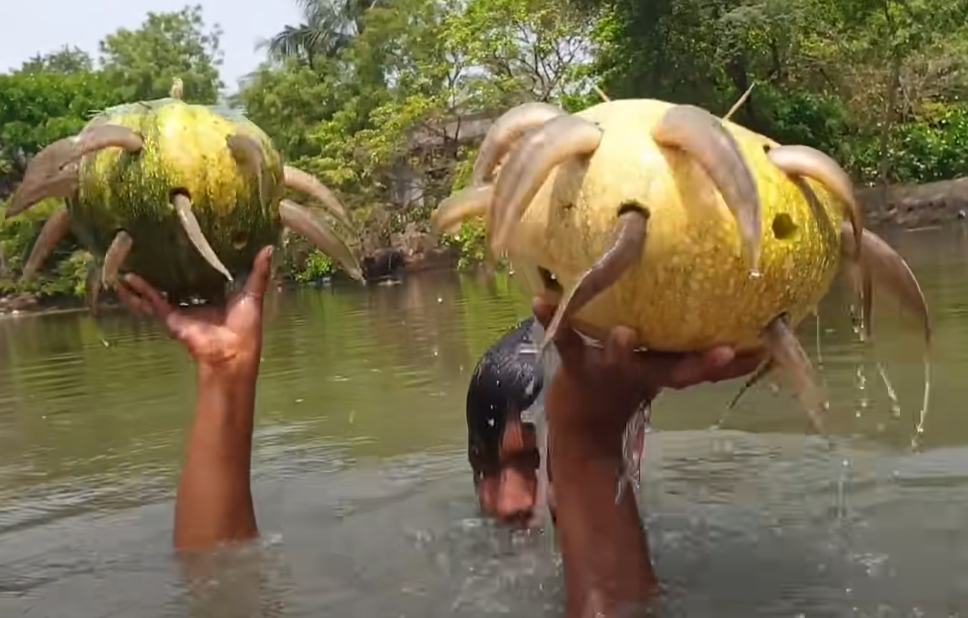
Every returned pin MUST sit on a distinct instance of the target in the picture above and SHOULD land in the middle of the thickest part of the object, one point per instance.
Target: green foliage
(65, 272)
(316, 266)
(141, 63)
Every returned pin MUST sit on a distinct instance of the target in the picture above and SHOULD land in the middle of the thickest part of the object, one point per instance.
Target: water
(365, 499)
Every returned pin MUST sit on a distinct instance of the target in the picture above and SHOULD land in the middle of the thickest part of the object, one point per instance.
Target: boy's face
(507, 486)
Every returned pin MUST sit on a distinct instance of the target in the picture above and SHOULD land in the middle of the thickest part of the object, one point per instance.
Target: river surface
(364, 495)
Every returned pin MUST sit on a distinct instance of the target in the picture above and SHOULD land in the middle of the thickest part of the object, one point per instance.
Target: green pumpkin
(184, 195)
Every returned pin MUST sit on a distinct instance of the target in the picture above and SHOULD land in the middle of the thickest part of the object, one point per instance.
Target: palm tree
(328, 27)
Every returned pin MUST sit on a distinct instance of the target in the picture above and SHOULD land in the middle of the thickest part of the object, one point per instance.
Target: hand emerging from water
(596, 390)
(229, 336)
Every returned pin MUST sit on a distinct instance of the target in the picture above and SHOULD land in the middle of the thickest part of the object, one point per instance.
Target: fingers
(150, 302)
(741, 365)
(690, 369)
(620, 347)
(149, 297)
(543, 310)
(258, 281)
(569, 343)
(135, 303)
(659, 369)
(715, 365)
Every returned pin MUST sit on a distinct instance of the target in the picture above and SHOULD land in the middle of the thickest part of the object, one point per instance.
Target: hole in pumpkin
(179, 191)
(240, 240)
(549, 280)
(784, 228)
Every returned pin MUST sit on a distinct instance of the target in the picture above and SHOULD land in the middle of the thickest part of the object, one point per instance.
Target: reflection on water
(366, 502)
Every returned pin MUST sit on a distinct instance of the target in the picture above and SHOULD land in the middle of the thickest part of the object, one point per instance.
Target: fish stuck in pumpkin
(184, 195)
(690, 229)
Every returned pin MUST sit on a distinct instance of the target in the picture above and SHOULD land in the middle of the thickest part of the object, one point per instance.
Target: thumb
(258, 281)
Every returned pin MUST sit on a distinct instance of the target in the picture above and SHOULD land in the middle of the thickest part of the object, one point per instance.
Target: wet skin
(594, 393)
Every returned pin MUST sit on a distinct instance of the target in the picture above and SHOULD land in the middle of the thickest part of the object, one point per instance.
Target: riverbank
(380, 266)
(915, 206)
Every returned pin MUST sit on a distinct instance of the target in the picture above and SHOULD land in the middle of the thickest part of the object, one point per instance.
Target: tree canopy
(387, 100)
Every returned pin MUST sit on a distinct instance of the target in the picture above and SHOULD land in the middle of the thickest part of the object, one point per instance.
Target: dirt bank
(914, 206)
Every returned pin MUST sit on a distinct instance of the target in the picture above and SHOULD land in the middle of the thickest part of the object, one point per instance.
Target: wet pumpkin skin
(184, 152)
(692, 288)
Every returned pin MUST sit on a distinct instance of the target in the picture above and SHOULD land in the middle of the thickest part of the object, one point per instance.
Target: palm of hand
(212, 335)
(616, 379)
(215, 336)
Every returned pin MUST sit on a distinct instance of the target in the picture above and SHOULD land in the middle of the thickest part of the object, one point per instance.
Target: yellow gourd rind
(692, 288)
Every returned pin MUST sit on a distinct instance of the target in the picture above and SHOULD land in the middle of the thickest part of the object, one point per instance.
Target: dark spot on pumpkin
(784, 228)
(549, 280)
(633, 205)
(240, 240)
(179, 191)
(767, 148)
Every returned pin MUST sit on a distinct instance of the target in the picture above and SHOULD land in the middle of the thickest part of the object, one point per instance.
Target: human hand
(596, 390)
(223, 337)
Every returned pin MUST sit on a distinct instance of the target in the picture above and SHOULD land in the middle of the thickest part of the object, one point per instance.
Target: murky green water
(365, 499)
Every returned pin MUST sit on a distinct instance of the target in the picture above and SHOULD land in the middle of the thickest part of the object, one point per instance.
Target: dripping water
(549, 362)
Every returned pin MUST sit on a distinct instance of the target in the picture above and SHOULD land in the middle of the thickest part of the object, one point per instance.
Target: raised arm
(214, 503)
(589, 402)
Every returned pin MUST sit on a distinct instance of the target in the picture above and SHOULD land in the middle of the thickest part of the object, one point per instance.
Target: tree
(66, 60)
(289, 101)
(329, 27)
(142, 63)
(37, 108)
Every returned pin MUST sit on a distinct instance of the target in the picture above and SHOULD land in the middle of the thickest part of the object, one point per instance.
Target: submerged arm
(214, 503)
(605, 550)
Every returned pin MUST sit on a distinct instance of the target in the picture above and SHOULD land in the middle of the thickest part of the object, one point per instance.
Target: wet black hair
(509, 376)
